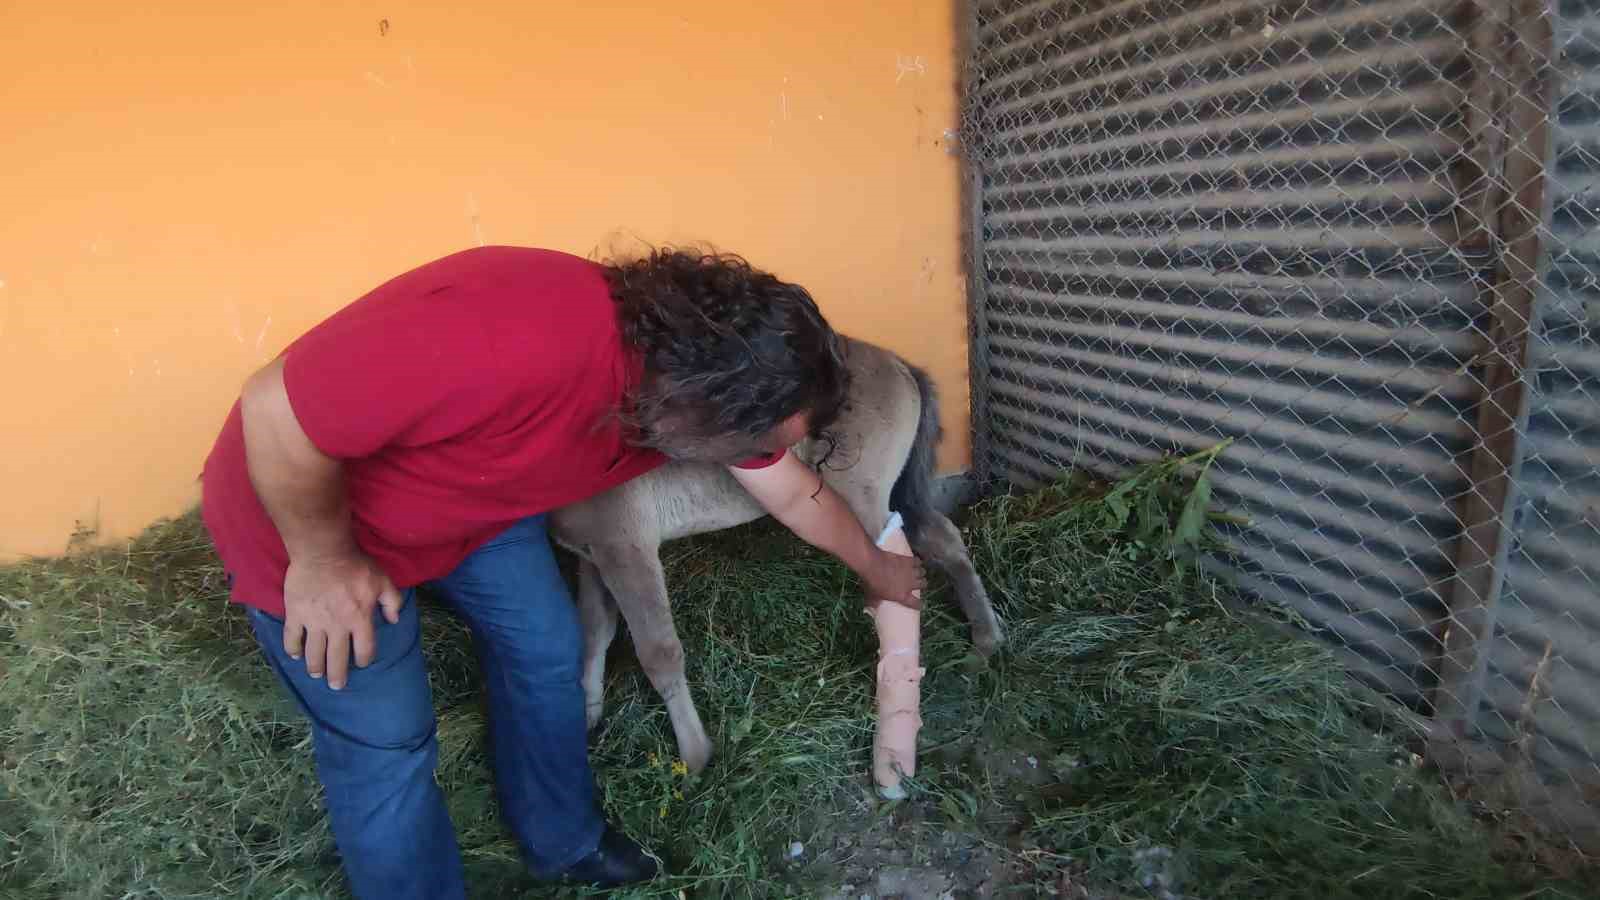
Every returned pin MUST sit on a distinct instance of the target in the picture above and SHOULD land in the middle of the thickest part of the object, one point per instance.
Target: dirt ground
(951, 848)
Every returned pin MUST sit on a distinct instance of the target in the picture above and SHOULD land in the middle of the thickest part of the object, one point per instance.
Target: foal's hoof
(593, 711)
(988, 639)
(697, 757)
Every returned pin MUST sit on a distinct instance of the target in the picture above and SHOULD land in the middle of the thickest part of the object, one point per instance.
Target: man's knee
(403, 748)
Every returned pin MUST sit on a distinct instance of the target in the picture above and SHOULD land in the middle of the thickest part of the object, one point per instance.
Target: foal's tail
(912, 494)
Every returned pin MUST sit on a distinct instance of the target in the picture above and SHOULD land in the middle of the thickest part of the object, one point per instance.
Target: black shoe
(616, 862)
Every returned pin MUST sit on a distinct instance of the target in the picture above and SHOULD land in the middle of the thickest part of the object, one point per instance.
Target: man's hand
(331, 586)
(890, 576)
(328, 612)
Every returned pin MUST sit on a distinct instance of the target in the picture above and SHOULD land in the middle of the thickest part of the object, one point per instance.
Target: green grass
(145, 751)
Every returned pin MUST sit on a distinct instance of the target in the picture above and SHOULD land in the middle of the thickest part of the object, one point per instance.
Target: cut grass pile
(145, 751)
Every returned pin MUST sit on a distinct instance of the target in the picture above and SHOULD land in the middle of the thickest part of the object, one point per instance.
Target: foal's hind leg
(938, 541)
(636, 581)
(598, 613)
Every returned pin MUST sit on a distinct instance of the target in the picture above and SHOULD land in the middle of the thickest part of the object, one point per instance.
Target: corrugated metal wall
(1361, 238)
(1540, 681)
(1237, 219)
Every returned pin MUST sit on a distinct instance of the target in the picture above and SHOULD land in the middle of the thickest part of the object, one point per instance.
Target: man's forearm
(301, 487)
(824, 521)
(797, 497)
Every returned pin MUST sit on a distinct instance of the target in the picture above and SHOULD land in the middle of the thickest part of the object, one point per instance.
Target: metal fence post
(971, 148)
(1511, 87)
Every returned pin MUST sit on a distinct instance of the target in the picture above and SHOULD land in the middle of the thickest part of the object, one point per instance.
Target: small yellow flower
(663, 810)
(680, 768)
(677, 795)
(655, 763)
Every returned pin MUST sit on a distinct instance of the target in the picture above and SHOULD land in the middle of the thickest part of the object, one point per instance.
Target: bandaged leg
(894, 751)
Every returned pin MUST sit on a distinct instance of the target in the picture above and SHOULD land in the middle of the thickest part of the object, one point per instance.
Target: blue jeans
(375, 741)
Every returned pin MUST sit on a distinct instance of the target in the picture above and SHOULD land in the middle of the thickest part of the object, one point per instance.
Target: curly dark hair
(729, 352)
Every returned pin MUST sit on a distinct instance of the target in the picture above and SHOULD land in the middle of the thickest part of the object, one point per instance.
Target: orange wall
(182, 192)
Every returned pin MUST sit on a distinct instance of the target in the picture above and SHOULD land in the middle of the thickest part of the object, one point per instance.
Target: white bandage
(894, 750)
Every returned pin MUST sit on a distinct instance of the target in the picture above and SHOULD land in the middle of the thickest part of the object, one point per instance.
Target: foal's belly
(693, 498)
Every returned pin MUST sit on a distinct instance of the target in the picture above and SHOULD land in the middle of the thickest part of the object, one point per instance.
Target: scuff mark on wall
(124, 352)
(908, 65)
(922, 281)
(262, 334)
(235, 324)
(472, 216)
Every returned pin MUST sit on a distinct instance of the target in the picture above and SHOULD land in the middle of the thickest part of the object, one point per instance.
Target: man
(419, 435)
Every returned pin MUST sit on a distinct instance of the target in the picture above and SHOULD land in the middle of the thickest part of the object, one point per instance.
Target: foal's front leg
(598, 613)
(635, 578)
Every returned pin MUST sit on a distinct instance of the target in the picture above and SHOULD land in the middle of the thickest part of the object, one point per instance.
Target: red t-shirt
(464, 395)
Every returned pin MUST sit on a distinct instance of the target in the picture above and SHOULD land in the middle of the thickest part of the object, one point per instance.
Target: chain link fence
(1360, 239)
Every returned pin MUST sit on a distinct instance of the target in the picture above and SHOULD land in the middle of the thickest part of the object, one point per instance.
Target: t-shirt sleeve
(357, 387)
(762, 462)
